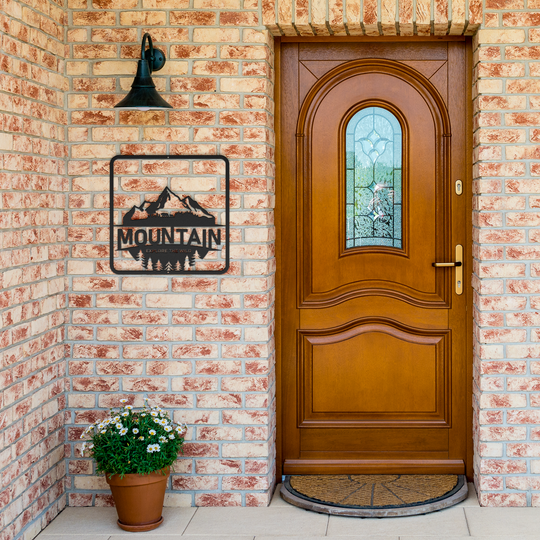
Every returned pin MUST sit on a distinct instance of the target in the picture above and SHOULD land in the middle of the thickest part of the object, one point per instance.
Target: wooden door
(374, 339)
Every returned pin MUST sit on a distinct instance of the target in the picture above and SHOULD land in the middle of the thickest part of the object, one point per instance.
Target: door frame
(467, 192)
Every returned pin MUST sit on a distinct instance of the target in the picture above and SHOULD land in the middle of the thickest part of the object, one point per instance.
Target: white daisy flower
(123, 431)
(116, 418)
(171, 436)
(154, 413)
(153, 448)
(123, 401)
(135, 430)
(125, 413)
(141, 438)
(103, 431)
(152, 432)
(83, 448)
(162, 439)
(144, 414)
(129, 407)
(168, 428)
(119, 425)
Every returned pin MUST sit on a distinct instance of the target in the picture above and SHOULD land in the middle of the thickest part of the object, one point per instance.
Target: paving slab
(492, 537)
(83, 521)
(497, 522)
(434, 538)
(45, 536)
(156, 535)
(326, 538)
(277, 521)
(102, 521)
(277, 500)
(472, 498)
(449, 522)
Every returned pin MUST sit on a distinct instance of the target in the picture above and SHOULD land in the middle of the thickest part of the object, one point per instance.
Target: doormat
(375, 495)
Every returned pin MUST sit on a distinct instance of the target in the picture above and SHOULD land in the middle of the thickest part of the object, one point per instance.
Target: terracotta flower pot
(139, 499)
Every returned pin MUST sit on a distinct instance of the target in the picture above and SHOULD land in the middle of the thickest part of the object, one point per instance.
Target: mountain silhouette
(169, 210)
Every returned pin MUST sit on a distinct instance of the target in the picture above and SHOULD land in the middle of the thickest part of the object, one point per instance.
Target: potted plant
(136, 450)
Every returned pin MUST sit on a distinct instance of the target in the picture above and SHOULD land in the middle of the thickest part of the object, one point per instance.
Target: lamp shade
(143, 95)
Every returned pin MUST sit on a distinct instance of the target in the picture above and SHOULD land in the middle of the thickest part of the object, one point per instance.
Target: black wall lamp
(143, 94)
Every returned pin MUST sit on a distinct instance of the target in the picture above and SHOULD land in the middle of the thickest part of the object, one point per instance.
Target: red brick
(194, 483)
(219, 434)
(503, 499)
(192, 18)
(499, 466)
(215, 367)
(195, 351)
(521, 19)
(218, 466)
(119, 368)
(245, 483)
(95, 384)
(142, 384)
(218, 499)
(145, 351)
(96, 351)
(145, 317)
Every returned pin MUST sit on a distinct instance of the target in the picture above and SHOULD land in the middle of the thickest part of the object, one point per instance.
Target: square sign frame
(193, 216)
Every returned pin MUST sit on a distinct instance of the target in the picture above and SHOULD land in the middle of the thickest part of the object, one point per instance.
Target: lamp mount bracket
(155, 57)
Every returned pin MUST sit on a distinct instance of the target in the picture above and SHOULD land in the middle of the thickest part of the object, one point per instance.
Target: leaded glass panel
(373, 177)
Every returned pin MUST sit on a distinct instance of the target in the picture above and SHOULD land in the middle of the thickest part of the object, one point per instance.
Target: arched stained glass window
(374, 187)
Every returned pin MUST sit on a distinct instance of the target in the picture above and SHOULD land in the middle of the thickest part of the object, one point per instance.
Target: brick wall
(203, 347)
(506, 251)
(200, 346)
(32, 278)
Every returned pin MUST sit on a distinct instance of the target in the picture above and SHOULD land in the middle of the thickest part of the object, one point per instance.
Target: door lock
(458, 264)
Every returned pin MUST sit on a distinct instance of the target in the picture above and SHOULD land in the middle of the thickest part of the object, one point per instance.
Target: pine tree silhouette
(168, 266)
(159, 267)
(141, 258)
(149, 264)
(177, 266)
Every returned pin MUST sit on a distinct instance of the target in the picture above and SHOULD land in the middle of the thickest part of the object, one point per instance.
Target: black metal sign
(169, 214)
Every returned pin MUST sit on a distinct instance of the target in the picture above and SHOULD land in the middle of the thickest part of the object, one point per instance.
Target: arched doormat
(375, 495)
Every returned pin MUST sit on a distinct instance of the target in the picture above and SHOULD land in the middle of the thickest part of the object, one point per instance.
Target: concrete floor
(287, 522)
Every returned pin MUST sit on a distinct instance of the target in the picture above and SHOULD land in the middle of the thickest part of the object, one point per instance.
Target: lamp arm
(151, 49)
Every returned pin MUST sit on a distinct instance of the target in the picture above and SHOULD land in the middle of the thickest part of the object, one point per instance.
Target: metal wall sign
(169, 214)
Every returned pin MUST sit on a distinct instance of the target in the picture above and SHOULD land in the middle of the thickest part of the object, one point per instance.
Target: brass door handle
(458, 264)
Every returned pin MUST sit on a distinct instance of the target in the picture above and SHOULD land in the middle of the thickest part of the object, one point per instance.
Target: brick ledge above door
(372, 17)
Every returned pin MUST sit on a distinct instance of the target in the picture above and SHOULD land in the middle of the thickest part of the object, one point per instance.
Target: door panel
(373, 336)
(413, 361)
(329, 272)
